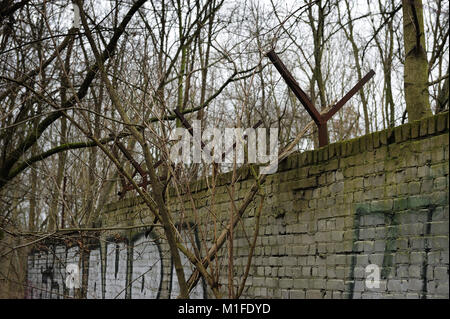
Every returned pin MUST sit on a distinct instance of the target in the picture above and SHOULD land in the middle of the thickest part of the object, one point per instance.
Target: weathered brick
(381, 205)
(335, 284)
(297, 294)
(286, 283)
(441, 273)
(313, 294)
(311, 237)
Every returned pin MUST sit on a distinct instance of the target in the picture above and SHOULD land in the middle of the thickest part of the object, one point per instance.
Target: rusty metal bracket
(319, 119)
(138, 169)
(191, 131)
(136, 166)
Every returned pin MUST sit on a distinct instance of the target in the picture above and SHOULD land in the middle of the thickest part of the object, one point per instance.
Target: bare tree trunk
(416, 64)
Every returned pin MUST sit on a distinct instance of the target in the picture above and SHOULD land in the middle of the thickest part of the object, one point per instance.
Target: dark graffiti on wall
(397, 245)
(199, 291)
(120, 269)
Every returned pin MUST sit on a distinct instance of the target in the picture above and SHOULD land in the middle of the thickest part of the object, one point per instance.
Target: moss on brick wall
(379, 199)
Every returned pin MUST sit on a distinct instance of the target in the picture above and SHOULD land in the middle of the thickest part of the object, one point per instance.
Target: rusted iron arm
(187, 125)
(320, 120)
(349, 95)
(191, 131)
(130, 187)
(135, 165)
(130, 158)
(293, 85)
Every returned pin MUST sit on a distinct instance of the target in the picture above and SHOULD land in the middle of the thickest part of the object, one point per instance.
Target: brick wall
(381, 199)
